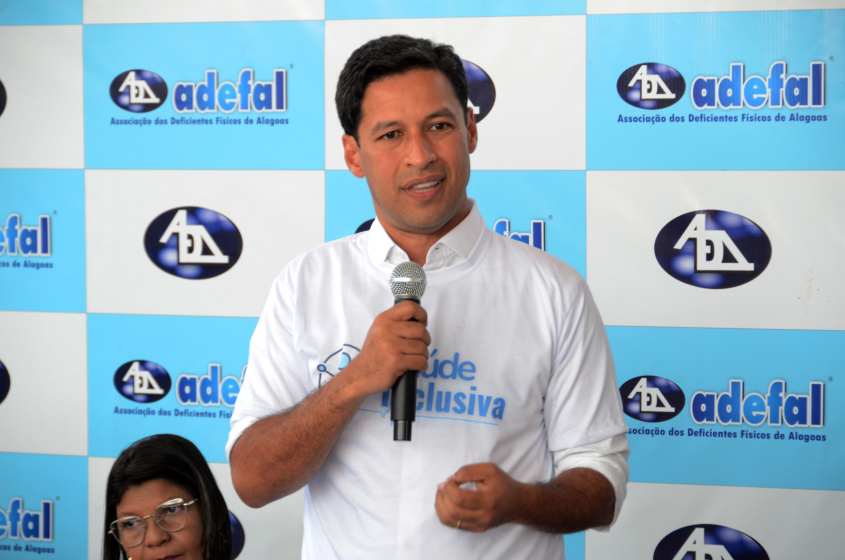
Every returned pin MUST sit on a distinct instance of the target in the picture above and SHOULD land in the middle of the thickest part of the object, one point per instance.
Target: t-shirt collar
(451, 249)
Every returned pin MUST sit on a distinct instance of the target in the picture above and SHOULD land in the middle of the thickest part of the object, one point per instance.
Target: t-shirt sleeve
(275, 378)
(582, 403)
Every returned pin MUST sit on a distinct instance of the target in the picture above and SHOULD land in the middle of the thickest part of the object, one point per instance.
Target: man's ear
(472, 131)
(352, 156)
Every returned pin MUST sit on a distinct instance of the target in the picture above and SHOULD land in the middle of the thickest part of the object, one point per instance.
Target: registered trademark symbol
(551, 217)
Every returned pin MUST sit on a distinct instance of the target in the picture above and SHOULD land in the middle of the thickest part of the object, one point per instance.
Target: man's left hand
(494, 500)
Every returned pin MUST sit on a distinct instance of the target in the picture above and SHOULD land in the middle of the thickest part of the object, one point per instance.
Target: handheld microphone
(407, 282)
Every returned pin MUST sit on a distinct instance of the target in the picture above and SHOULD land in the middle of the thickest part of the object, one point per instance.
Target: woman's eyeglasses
(170, 516)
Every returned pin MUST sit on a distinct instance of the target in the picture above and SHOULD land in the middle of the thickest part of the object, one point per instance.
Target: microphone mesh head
(408, 279)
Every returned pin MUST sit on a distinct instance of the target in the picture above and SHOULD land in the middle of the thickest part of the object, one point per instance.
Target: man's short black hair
(389, 56)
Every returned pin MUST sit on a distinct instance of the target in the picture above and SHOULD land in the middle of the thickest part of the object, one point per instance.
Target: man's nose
(420, 151)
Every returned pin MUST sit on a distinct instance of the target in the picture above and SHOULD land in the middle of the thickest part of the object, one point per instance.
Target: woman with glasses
(162, 502)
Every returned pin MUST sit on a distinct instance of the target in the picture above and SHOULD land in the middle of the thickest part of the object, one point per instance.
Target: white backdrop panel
(675, 6)
(46, 410)
(801, 288)
(183, 11)
(279, 214)
(530, 126)
(784, 522)
(41, 70)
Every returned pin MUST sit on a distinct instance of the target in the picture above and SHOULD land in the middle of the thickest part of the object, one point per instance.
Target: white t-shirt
(519, 372)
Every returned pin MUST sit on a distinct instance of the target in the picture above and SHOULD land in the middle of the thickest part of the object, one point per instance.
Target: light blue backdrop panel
(558, 199)
(43, 506)
(293, 139)
(187, 349)
(376, 9)
(41, 12)
(707, 360)
(348, 204)
(517, 200)
(706, 44)
(48, 235)
(573, 545)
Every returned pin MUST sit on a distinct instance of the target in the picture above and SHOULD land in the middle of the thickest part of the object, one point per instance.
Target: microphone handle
(403, 405)
(403, 396)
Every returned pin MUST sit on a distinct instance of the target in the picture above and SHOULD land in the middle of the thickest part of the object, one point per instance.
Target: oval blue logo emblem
(713, 249)
(2, 98)
(238, 536)
(142, 381)
(651, 85)
(194, 243)
(138, 91)
(5, 382)
(482, 91)
(709, 541)
(652, 399)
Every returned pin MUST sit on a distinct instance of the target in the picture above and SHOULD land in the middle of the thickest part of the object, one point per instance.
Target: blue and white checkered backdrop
(161, 161)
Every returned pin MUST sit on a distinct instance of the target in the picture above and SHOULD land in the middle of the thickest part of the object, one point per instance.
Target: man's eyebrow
(383, 125)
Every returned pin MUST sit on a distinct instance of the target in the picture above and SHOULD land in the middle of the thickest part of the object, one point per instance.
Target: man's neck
(417, 244)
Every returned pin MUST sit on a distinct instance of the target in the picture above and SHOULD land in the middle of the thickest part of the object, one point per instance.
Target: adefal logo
(482, 91)
(734, 407)
(713, 542)
(248, 94)
(142, 381)
(2, 98)
(735, 91)
(192, 242)
(652, 399)
(713, 249)
(29, 525)
(5, 382)
(28, 241)
(535, 236)
(335, 362)
(238, 535)
(138, 91)
(651, 85)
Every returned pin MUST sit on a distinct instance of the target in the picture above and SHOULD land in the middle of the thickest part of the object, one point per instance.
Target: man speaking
(518, 434)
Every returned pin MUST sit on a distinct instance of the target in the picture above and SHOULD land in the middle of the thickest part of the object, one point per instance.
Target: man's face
(413, 147)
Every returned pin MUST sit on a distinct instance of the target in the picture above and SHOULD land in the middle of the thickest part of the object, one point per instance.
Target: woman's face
(158, 544)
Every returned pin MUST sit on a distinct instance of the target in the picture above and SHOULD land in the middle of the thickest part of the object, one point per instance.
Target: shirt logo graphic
(482, 91)
(713, 249)
(142, 381)
(138, 91)
(652, 399)
(709, 542)
(651, 85)
(335, 362)
(193, 243)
